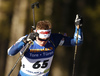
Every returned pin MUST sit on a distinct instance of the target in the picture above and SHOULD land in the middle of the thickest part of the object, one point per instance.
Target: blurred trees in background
(16, 20)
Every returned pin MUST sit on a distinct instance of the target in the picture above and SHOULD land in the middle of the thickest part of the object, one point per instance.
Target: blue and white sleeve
(14, 49)
(71, 41)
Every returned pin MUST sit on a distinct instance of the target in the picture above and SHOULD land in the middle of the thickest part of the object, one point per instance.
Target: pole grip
(35, 4)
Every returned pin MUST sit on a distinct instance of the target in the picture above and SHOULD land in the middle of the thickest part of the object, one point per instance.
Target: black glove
(78, 20)
(30, 37)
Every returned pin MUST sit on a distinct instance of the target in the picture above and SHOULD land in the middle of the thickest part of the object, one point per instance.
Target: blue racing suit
(37, 60)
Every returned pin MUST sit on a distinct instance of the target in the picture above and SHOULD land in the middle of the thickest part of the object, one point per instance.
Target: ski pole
(21, 56)
(73, 73)
(75, 52)
(32, 6)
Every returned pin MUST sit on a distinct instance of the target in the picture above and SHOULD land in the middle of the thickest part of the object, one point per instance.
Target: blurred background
(16, 20)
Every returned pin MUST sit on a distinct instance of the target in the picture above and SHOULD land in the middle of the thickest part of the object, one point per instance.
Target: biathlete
(38, 58)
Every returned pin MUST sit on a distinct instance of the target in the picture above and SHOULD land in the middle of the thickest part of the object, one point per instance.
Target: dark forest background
(16, 20)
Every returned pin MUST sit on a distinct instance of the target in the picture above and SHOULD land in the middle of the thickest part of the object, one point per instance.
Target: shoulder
(21, 38)
(56, 38)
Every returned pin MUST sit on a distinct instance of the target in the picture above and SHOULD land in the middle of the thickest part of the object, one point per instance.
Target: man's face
(41, 41)
(43, 36)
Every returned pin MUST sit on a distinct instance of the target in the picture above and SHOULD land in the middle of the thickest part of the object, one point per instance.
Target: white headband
(43, 33)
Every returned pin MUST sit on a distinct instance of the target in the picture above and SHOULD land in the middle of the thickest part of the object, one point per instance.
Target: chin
(42, 45)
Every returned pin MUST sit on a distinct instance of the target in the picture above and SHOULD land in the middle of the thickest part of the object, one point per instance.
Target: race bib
(36, 67)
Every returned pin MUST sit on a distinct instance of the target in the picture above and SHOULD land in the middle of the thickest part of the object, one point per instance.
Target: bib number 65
(38, 65)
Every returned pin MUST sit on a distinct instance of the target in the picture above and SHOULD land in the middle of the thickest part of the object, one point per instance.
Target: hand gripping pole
(75, 52)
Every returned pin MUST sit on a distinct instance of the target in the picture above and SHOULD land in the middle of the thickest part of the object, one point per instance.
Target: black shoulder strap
(52, 42)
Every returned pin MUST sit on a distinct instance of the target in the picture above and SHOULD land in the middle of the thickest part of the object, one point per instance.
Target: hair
(43, 25)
